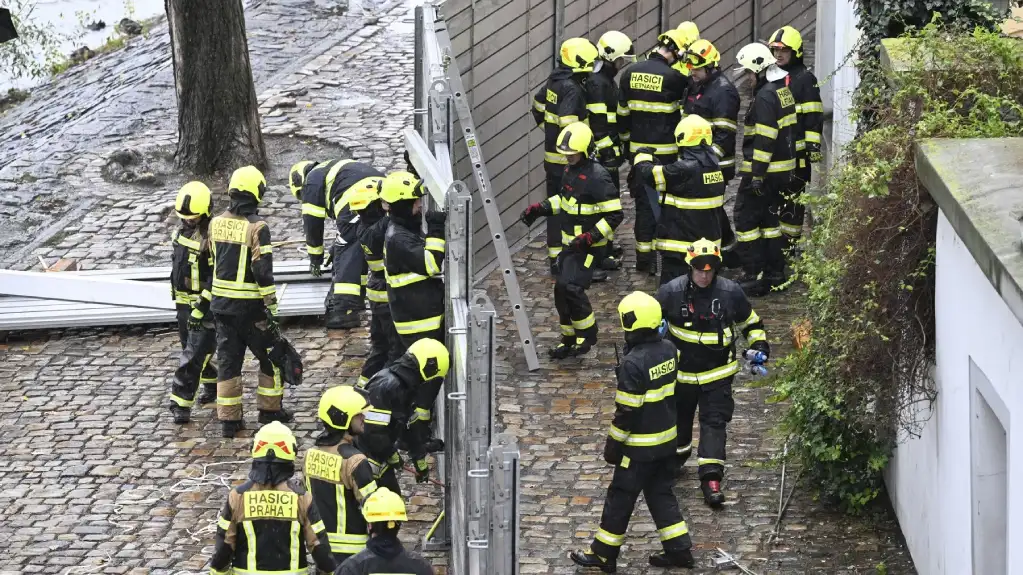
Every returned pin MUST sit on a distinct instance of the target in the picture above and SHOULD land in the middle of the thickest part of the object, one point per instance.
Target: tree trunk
(218, 116)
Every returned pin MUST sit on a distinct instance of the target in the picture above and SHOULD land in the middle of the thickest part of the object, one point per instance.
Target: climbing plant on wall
(863, 382)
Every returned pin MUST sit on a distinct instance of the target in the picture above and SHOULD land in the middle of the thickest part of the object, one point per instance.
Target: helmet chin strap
(775, 73)
(598, 65)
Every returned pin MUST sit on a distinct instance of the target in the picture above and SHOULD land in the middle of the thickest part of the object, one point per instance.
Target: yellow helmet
(248, 180)
(194, 200)
(676, 40)
(693, 130)
(339, 405)
(274, 438)
(432, 358)
(579, 54)
(363, 193)
(755, 57)
(398, 186)
(575, 138)
(384, 505)
(701, 54)
(639, 310)
(613, 45)
(704, 254)
(787, 37)
(296, 178)
(689, 30)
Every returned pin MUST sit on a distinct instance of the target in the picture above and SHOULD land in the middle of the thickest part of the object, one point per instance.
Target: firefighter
(384, 341)
(191, 280)
(768, 151)
(648, 112)
(692, 190)
(641, 443)
(412, 262)
(691, 31)
(787, 46)
(714, 97)
(269, 522)
(704, 312)
(402, 398)
(591, 210)
(384, 511)
(558, 103)
(337, 473)
(616, 51)
(314, 174)
(324, 194)
(245, 302)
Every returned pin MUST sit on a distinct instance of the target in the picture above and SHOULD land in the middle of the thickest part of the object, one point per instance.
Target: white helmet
(613, 45)
(755, 57)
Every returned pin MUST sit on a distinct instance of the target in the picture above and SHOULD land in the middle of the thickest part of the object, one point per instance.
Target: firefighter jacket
(267, 528)
(558, 103)
(691, 190)
(717, 101)
(648, 105)
(809, 109)
(192, 268)
(340, 478)
(243, 271)
(602, 111)
(704, 324)
(385, 554)
(372, 231)
(645, 416)
(412, 266)
(589, 202)
(768, 146)
(401, 408)
(323, 196)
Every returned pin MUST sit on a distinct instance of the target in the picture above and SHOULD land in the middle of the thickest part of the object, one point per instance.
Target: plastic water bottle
(758, 370)
(755, 356)
(662, 329)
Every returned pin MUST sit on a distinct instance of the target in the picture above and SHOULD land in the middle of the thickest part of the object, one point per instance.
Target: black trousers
(654, 479)
(349, 273)
(235, 334)
(196, 365)
(760, 246)
(573, 278)
(714, 400)
(407, 339)
(792, 210)
(554, 244)
(384, 343)
(389, 479)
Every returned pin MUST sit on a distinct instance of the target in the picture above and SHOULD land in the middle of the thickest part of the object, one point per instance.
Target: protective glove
(582, 242)
(316, 265)
(608, 156)
(195, 320)
(762, 347)
(612, 451)
(756, 186)
(816, 157)
(422, 471)
(273, 327)
(395, 461)
(435, 222)
(530, 214)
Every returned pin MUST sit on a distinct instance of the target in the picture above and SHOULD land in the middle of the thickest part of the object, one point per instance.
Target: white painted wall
(836, 36)
(930, 477)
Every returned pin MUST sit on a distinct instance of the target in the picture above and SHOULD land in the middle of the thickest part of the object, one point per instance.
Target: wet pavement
(94, 476)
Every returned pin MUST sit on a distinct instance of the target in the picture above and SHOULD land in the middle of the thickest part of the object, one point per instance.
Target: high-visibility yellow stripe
(709, 376)
(539, 106)
(610, 539)
(773, 167)
(597, 108)
(604, 142)
(419, 326)
(431, 263)
(182, 401)
(693, 203)
(811, 107)
(672, 531)
(813, 137)
(314, 210)
(659, 182)
(603, 227)
(567, 330)
(709, 461)
(629, 399)
(436, 244)
(748, 235)
(376, 296)
(314, 250)
(761, 156)
(187, 242)
(789, 120)
(643, 439)
(585, 323)
(347, 289)
(224, 524)
(653, 107)
(766, 131)
(378, 416)
(756, 335)
(659, 149)
(555, 158)
(405, 279)
(771, 232)
(644, 247)
(726, 162)
(725, 123)
(705, 338)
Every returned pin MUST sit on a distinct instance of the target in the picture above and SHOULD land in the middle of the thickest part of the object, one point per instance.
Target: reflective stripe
(789, 120)
(705, 337)
(239, 571)
(811, 107)
(756, 335)
(644, 439)
(585, 323)
(773, 167)
(265, 250)
(672, 531)
(604, 228)
(629, 399)
(349, 538)
(693, 203)
(761, 156)
(718, 150)
(431, 263)
(419, 326)
(753, 318)
(554, 251)
(800, 145)
(317, 527)
(748, 236)
(653, 107)
(726, 162)
(610, 206)
(376, 296)
(367, 489)
(329, 181)
(710, 376)
(347, 289)
(771, 232)
(684, 449)
(267, 290)
(567, 330)
(314, 250)
(604, 142)
(659, 394)
(791, 229)
(378, 417)
(314, 210)
(726, 123)
(766, 131)
(182, 401)
(813, 137)
(375, 265)
(229, 400)
(402, 280)
(608, 538)
(555, 158)
(597, 108)
(659, 182)
(436, 244)
(539, 106)
(643, 157)
(189, 243)
(420, 414)
(660, 149)
(644, 247)
(672, 246)
(708, 461)
(362, 381)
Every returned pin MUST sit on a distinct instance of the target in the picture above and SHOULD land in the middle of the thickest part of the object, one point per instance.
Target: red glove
(530, 214)
(582, 242)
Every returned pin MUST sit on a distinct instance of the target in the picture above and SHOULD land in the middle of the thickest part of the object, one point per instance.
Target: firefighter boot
(752, 284)
(584, 345)
(181, 415)
(340, 318)
(673, 559)
(712, 494)
(599, 275)
(229, 429)
(610, 263)
(564, 349)
(282, 415)
(208, 394)
(587, 559)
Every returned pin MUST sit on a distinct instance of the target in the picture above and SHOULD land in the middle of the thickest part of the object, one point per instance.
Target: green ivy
(863, 382)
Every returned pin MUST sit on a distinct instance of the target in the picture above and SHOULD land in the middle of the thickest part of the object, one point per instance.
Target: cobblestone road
(94, 477)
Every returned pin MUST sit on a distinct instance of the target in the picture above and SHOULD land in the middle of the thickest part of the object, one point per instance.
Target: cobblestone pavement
(94, 477)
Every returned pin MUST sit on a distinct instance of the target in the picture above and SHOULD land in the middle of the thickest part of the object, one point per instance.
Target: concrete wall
(945, 485)
(836, 36)
(505, 50)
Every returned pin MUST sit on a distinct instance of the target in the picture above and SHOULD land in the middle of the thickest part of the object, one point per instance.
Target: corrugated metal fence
(506, 49)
